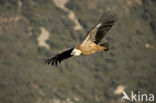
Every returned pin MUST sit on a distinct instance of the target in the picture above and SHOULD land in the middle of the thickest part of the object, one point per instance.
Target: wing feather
(59, 57)
(97, 33)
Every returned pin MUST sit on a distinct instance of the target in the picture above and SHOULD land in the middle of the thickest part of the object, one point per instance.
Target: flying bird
(90, 44)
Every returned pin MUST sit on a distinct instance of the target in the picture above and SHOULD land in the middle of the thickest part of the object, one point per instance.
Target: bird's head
(76, 52)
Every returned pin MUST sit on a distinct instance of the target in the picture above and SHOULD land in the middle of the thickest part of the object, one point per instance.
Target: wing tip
(109, 16)
(52, 61)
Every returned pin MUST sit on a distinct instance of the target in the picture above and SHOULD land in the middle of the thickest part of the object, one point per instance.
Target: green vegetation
(87, 79)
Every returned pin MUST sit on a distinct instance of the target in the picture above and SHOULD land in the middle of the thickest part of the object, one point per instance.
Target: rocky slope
(99, 78)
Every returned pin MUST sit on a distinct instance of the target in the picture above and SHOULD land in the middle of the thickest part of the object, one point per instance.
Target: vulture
(91, 42)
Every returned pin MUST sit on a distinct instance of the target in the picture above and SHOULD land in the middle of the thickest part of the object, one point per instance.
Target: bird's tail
(105, 45)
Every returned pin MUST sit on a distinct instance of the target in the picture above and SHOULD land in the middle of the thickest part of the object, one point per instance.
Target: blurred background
(35, 29)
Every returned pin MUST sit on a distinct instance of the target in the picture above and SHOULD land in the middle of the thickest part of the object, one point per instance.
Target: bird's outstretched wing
(97, 33)
(59, 57)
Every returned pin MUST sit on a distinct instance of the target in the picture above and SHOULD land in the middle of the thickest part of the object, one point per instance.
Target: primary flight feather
(91, 43)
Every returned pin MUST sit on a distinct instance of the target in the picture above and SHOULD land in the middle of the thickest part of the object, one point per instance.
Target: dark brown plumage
(91, 43)
(59, 57)
(96, 34)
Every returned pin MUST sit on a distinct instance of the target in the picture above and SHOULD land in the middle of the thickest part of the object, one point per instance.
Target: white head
(76, 52)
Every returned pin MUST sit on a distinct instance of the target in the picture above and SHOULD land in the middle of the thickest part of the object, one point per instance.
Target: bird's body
(90, 48)
(91, 43)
